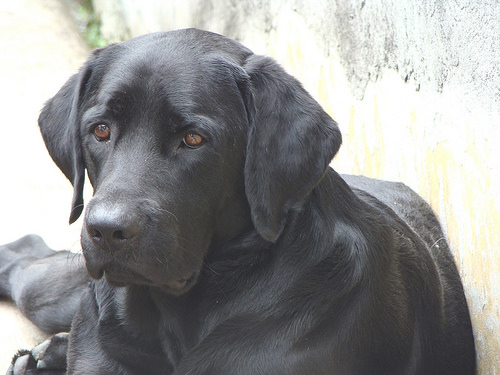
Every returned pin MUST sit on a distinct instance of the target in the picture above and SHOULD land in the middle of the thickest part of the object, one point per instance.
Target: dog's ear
(59, 125)
(291, 142)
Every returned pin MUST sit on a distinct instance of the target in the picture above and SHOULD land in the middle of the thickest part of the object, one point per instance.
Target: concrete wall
(415, 86)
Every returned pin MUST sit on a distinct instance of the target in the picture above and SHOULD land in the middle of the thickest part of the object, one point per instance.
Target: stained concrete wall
(415, 86)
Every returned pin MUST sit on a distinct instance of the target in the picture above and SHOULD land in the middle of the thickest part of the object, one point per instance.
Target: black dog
(218, 239)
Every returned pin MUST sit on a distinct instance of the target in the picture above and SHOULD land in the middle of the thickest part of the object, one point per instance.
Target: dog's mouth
(180, 286)
(124, 277)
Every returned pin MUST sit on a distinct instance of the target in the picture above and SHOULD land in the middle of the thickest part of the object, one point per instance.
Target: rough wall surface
(415, 86)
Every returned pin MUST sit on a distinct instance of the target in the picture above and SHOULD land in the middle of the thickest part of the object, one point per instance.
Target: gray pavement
(40, 47)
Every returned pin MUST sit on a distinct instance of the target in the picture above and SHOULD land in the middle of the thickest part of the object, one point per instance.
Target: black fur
(246, 255)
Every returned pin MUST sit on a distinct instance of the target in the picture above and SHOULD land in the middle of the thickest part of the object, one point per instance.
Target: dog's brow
(181, 121)
(120, 100)
(93, 114)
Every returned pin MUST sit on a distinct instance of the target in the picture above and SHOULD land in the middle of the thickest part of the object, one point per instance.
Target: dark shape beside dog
(218, 239)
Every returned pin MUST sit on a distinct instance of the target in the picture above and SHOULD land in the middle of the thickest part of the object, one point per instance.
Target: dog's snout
(111, 227)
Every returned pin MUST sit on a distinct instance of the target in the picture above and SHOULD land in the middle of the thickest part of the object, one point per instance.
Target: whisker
(75, 259)
(198, 257)
(168, 212)
(157, 257)
(210, 268)
(438, 240)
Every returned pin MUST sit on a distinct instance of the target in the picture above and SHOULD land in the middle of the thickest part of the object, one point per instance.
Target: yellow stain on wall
(461, 194)
(355, 157)
(379, 141)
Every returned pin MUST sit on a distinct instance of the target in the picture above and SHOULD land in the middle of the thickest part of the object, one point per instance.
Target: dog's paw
(47, 358)
(22, 363)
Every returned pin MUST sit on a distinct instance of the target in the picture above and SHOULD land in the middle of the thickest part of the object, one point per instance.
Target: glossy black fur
(247, 255)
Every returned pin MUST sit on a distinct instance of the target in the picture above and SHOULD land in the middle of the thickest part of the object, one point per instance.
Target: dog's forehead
(175, 52)
(181, 64)
(191, 41)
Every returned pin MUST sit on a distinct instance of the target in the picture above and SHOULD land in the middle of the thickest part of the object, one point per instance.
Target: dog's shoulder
(406, 204)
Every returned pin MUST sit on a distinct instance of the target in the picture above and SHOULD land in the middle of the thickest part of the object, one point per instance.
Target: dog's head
(189, 140)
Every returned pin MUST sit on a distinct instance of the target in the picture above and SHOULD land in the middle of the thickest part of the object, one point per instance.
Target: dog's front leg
(47, 358)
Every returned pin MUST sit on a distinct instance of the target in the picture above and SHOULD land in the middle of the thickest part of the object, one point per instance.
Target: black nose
(111, 226)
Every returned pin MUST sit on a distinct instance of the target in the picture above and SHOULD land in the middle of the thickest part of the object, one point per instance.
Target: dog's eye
(102, 132)
(193, 140)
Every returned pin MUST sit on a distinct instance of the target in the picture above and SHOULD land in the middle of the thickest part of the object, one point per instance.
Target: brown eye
(193, 140)
(102, 132)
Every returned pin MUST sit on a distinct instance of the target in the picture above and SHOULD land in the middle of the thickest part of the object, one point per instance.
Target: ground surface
(40, 47)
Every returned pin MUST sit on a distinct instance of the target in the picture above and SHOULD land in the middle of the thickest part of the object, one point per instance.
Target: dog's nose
(111, 227)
